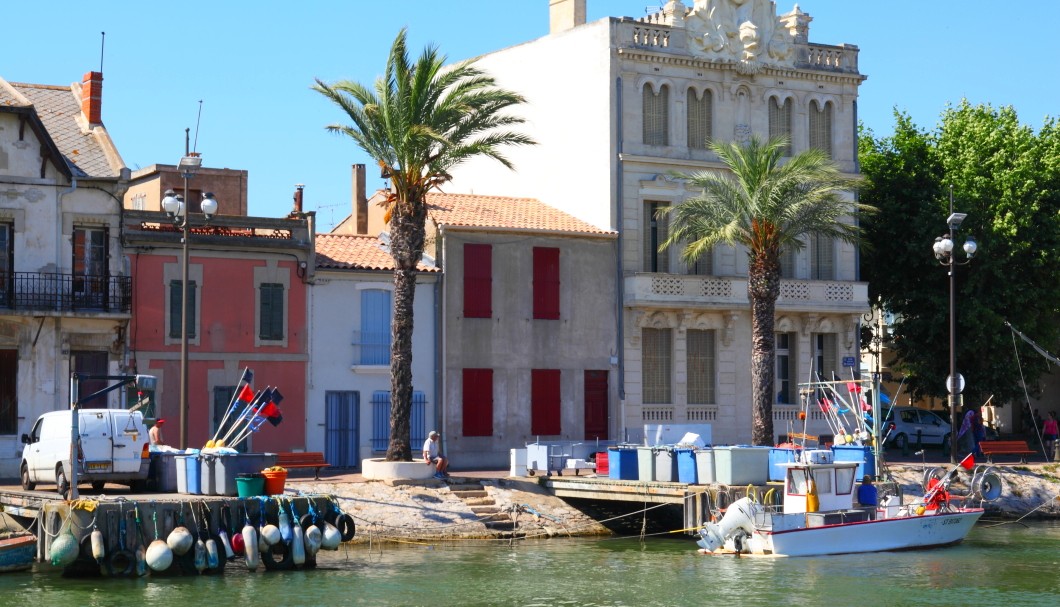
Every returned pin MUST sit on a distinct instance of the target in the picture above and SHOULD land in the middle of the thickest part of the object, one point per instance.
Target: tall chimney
(565, 14)
(92, 97)
(298, 198)
(360, 200)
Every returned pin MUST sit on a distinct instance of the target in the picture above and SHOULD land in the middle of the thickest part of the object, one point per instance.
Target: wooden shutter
(699, 119)
(478, 280)
(544, 402)
(546, 283)
(478, 402)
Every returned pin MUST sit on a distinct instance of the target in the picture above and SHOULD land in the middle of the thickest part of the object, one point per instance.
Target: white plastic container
(818, 456)
(518, 462)
(665, 466)
(705, 466)
(645, 464)
(741, 465)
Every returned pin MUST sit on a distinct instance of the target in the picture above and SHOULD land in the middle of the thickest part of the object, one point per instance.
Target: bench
(306, 459)
(991, 448)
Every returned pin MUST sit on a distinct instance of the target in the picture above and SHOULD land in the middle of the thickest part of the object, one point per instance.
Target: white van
(114, 448)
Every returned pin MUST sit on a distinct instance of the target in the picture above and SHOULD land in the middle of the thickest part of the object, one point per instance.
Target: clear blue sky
(252, 64)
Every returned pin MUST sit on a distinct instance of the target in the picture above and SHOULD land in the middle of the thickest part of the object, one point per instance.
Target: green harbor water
(1010, 565)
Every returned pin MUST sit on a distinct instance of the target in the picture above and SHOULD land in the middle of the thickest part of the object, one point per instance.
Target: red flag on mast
(968, 462)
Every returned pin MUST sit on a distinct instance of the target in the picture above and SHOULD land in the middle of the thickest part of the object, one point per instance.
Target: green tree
(420, 120)
(767, 206)
(1007, 179)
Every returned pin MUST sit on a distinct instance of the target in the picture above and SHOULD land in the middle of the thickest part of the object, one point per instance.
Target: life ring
(281, 550)
(347, 528)
(306, 521)
(331, 515)
(120, 563)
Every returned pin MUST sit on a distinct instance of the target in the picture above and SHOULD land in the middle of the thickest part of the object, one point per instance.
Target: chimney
(92, 97)
(360, 200)
(298, 199)
(565, 14)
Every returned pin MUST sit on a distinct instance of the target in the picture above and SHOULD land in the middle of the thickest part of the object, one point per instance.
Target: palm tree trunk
(763, 287)
(406, 247)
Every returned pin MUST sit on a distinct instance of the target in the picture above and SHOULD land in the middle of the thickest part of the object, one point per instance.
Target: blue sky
(252, 64)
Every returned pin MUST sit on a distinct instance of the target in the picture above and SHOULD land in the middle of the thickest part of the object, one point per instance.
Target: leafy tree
(1007, 179)
(420, 120)
(766, 206)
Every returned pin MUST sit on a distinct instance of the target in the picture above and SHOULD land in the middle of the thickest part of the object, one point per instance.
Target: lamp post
(943, 249)
(175, 206)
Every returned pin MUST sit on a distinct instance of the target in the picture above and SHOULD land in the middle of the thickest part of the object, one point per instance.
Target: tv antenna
(198, 119)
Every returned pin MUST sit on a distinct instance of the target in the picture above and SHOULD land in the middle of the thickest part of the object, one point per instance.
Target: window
(175, 311)
(786, 369)
(821, 127)
(704, 266)
(381, 420)
(657, 359)
(700, 367)
(544, 401)
(478, 280)
(822, 257)
(656, 226)
(374, 339)
(7, 264)
(656, 115)
(8, 392)
(271, 313)
(780, 121)
(546, 283)
(478, 402)
(700, 125)
(90, 267)
(824, 354)
(787, 263)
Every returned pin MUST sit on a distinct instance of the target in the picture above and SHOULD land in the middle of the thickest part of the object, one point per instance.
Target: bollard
(919, 443)
(1056, 450)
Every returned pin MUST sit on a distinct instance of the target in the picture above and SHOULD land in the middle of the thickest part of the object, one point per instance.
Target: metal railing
(65, 292)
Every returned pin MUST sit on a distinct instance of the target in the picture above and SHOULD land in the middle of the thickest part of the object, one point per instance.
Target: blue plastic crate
(686, 466)
(777, 456)
(853, 453)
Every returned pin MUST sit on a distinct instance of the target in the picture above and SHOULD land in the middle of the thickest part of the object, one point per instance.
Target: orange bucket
(274, 481)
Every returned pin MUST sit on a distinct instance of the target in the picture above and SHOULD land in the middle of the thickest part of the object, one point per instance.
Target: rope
(1023, 382)
(1030, 512)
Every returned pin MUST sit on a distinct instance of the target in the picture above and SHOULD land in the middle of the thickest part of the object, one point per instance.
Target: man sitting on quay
(432, 455)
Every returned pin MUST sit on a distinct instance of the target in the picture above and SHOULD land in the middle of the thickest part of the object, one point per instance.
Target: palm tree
(420, 120)
(768, 207)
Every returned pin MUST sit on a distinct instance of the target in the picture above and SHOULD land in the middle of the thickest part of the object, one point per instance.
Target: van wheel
(61, 484)
(97, 486)
(27, 484)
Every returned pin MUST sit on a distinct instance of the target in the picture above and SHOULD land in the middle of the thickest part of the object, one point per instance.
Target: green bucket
(250, 485)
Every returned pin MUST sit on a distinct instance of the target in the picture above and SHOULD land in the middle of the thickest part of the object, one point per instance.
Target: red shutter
(544, 402)
(478, 402)
(546, 283)
(478, 280)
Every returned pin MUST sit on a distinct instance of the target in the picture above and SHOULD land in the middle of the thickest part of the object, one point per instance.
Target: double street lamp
(176, 207)
(944, 253)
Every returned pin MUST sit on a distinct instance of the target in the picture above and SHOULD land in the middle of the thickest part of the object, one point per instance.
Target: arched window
(656, 115)
(700, 125)
(780, 120)
(821, 127)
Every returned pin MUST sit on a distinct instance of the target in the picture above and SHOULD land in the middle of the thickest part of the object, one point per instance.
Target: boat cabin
(818, 472)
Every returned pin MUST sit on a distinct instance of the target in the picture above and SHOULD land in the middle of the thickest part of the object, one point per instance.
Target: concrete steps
(476, 497)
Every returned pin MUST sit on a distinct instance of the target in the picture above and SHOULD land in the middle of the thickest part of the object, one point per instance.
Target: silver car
(904, 423)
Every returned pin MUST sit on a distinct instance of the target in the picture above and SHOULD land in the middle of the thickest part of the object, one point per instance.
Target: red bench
(991, 448)
(305, 459)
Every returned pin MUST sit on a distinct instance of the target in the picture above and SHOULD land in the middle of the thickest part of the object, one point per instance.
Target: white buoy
(213, 558)
(271, 533)
(200, 556)
(229, 553)
(159, 556)
(297, 545)
(180, 540)
(250, 547)
(332, 538)
(313, 536)
(97, 545)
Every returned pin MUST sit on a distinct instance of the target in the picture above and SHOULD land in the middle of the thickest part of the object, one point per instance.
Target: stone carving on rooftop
(745, 32)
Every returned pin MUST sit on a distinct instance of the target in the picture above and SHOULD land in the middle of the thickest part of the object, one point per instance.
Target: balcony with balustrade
(680, 291)
(57, 294)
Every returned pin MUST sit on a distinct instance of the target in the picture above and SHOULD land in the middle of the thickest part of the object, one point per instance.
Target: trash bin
(622, 464)
(705, 466)
(518, 463)
(250, 484)
(665, 466)
(181, 465)
(164, 472)
(686, 466)
(194, 479)
(645, 463)
(226, 467)
(207, 466)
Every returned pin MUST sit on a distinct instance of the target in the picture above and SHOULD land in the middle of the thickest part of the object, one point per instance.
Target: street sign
(848, 361)
(960, 384)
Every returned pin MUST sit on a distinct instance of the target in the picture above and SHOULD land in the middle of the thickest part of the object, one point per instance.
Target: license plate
(98, 466)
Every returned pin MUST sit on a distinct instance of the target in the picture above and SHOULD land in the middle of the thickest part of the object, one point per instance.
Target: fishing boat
(817, 515)
(16, 551)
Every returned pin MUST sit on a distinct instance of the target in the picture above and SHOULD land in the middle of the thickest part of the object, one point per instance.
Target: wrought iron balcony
(36, 291)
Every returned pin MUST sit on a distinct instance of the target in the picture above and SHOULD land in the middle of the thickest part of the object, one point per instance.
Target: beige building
(65, 292)
(619, 106)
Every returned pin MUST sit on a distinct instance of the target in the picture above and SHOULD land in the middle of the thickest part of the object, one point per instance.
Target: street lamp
(943, 249)
(175, 206)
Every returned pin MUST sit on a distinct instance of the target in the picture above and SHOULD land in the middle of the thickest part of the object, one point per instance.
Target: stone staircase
(496, 520)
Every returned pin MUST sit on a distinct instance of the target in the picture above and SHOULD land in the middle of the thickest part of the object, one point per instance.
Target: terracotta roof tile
(356, 252)
(471, 210)
(59, 108)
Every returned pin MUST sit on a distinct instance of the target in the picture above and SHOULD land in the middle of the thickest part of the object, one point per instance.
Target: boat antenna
(197, 120)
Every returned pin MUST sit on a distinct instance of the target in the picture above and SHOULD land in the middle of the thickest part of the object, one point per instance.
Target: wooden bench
(991, 448)
(306, 459)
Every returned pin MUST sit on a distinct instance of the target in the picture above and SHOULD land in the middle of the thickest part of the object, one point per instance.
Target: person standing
(1049, 434)
(432, 455)
(155, 433)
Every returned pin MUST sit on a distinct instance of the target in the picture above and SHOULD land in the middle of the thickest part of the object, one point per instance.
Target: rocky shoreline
(497, 509)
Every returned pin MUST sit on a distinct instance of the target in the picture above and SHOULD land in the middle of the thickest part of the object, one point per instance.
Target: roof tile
(356, 252)
(503, 212)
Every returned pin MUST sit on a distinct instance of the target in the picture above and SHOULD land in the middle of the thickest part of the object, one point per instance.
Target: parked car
(114, 448)
(908, 421)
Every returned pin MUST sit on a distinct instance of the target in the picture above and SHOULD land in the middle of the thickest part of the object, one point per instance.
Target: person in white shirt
(432, 455)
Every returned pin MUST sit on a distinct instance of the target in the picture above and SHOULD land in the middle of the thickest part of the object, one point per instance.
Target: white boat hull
(901, 533)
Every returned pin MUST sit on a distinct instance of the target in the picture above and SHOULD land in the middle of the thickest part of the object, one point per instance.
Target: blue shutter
(419, 419)
(380, 420)
(375, 327)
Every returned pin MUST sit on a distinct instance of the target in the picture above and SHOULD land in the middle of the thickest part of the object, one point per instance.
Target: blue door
(341, 444)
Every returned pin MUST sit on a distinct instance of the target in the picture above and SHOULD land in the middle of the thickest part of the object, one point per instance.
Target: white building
(620, 105)
(64, 291)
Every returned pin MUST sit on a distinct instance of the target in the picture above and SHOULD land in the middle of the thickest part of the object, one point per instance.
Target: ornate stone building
(620, 107)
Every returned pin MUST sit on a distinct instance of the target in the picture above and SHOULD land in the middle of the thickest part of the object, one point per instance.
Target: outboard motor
(738, 517)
